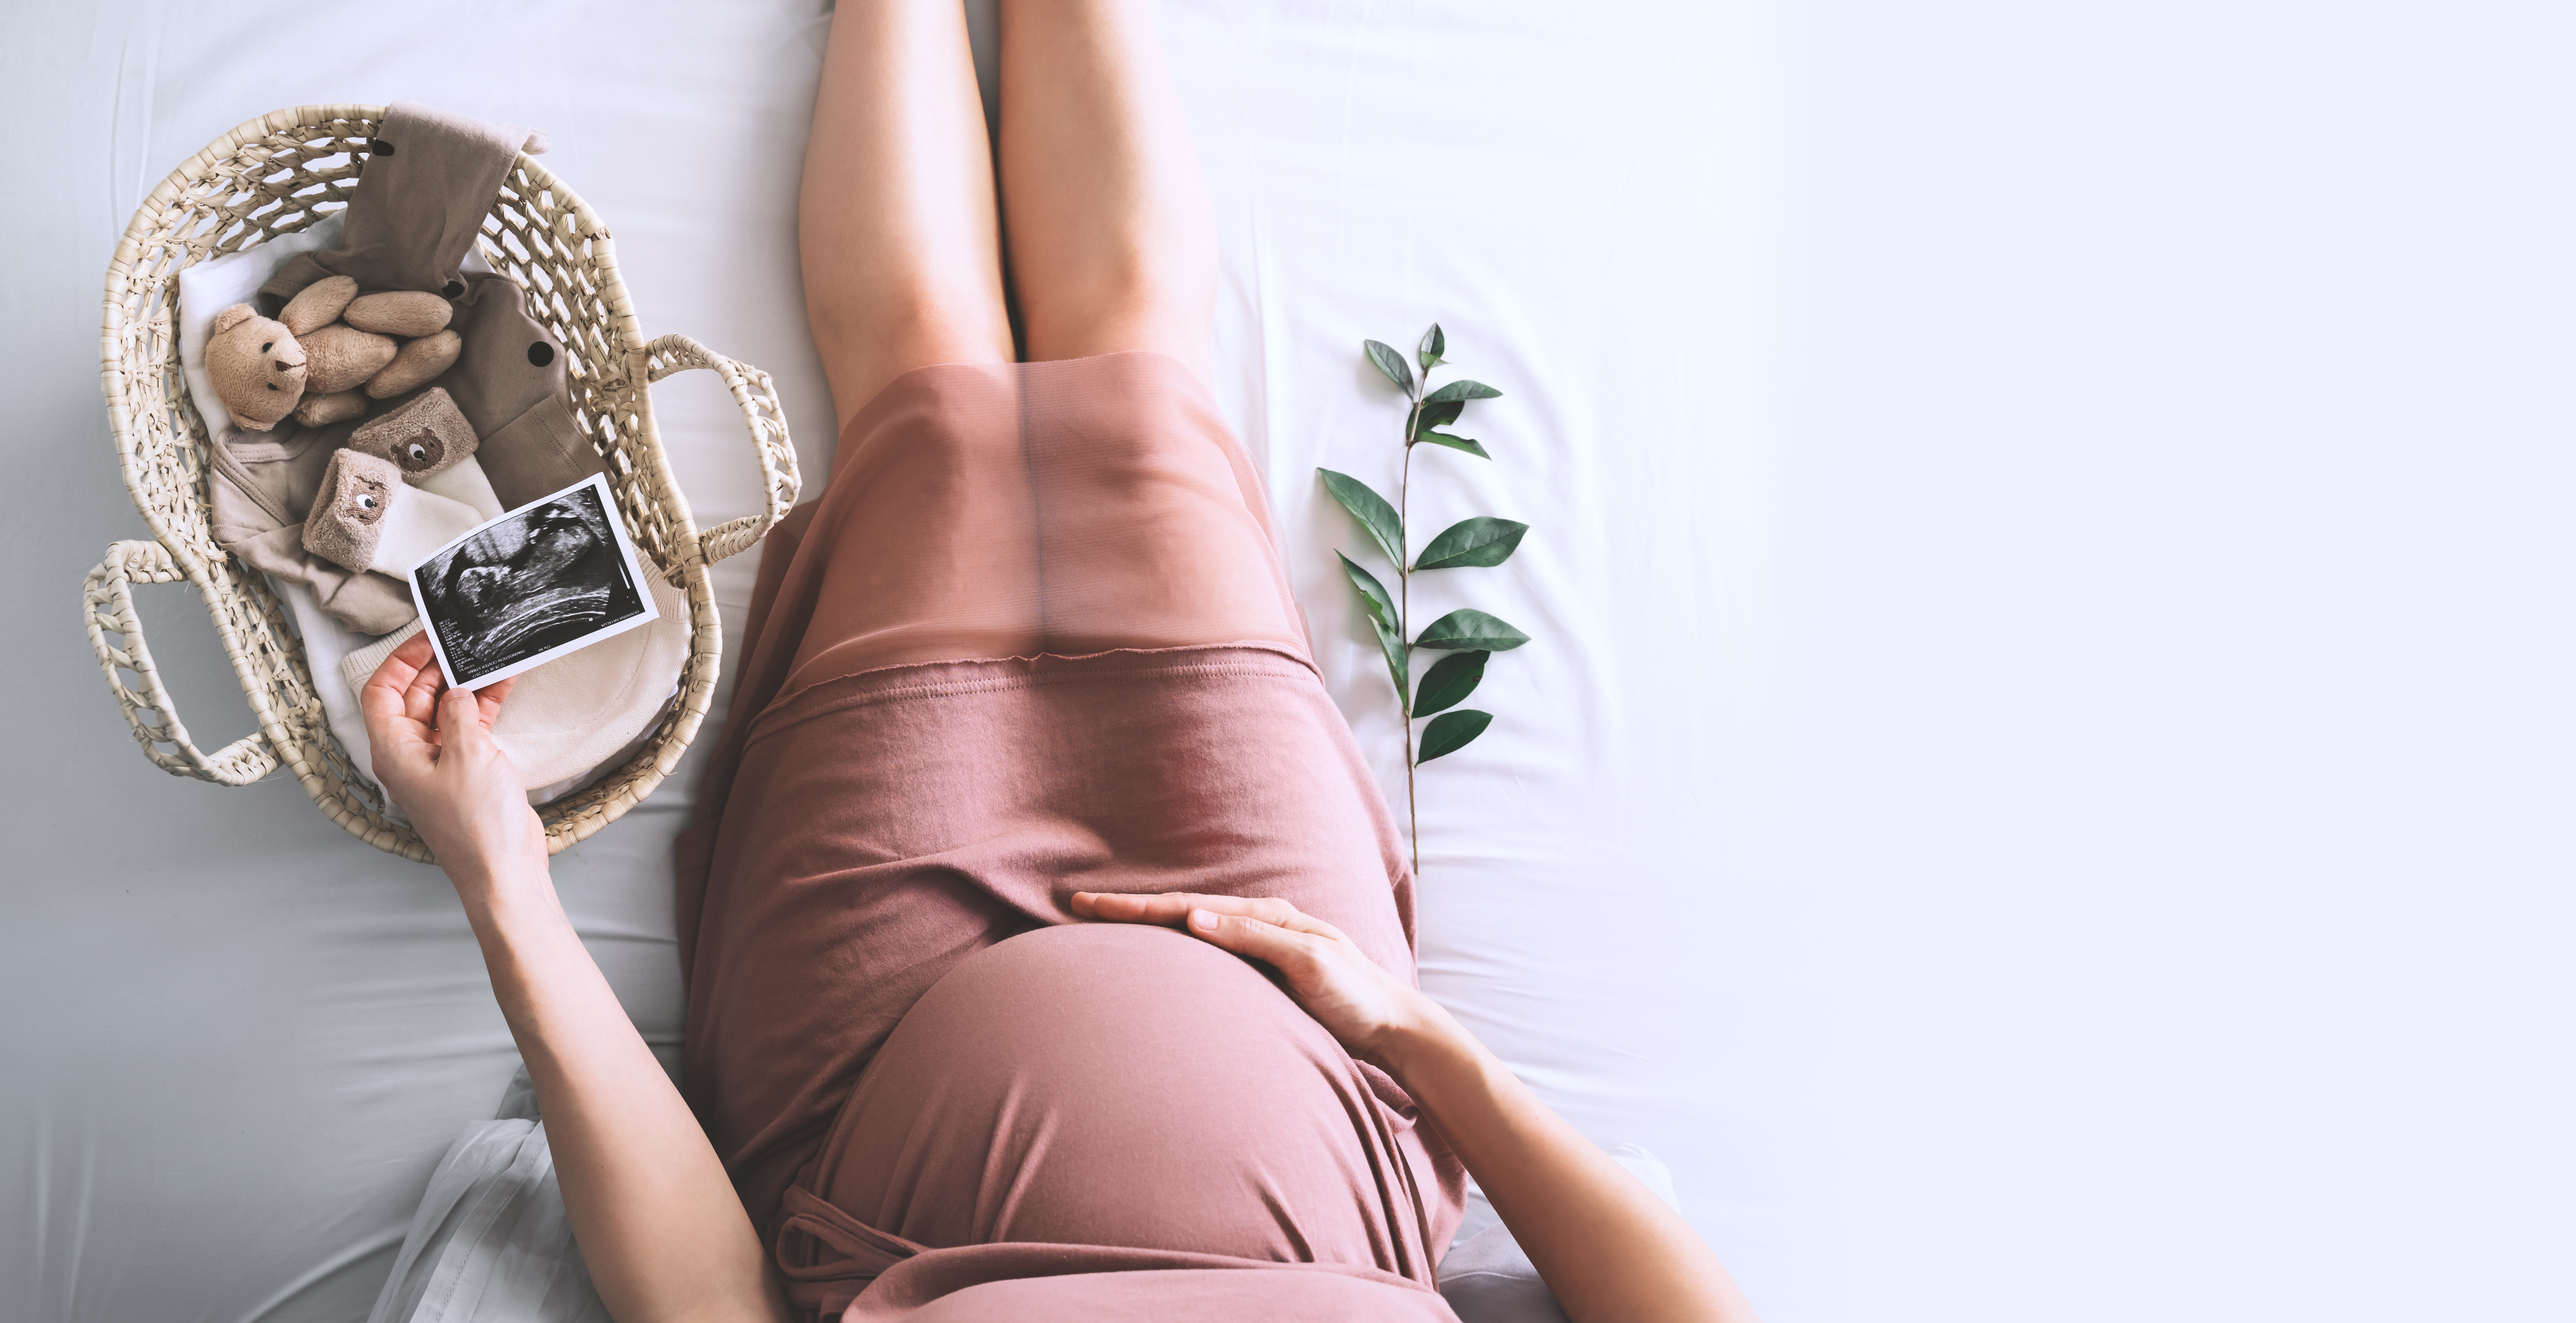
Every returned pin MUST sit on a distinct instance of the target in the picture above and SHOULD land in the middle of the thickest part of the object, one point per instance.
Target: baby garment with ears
(430, 177)
(433, 445)
(368, 518)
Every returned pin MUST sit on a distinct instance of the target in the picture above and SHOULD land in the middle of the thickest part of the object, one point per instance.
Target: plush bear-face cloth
(367, 518)
(433, 445)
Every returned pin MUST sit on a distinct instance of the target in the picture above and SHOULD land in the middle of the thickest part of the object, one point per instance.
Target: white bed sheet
(240, 1039)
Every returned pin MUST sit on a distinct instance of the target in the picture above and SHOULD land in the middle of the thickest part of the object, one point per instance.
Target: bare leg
(1113, 246)
(897, 224)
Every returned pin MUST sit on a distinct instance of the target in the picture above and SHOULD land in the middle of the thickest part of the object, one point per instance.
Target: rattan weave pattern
(278, 174)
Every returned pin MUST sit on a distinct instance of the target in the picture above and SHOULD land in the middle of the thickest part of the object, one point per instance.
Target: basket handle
(767, 421)
(107, 607)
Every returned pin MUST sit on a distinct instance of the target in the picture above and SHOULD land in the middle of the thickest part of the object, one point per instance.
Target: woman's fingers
(1106, 908)
(403, 665)
(394, 720)
(411, 710)
(1172, 907)
(1123, 907)
(491, 696)
(1343, 990)
(420, 696)
(461, 721)
(1291, 953)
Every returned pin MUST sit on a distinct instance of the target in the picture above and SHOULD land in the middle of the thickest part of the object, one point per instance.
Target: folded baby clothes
(261, 486)
(428, 180)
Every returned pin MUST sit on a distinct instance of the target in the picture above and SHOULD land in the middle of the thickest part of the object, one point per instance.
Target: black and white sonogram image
(547, 577)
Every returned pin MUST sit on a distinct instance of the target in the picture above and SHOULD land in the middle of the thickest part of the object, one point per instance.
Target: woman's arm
(1607, 1247)
(660, 1227)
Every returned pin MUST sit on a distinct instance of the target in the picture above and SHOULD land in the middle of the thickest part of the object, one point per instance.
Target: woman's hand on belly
(1606, 1245)
(1364, 1007)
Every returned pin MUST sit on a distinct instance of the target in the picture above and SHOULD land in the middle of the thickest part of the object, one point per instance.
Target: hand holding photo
(551, 577)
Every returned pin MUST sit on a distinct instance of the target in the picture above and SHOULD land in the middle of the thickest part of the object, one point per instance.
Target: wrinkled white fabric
(491, 1242)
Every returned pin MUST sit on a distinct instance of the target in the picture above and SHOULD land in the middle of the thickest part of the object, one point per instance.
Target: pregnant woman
(1049, 949)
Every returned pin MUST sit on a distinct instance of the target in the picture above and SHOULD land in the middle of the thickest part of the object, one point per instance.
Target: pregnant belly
(1118, 1086)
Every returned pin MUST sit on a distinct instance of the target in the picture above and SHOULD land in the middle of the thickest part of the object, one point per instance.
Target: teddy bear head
(256, 367)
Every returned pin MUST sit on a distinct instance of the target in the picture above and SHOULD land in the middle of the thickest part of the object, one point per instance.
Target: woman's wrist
(478, 861)
(1423, 1030)
(499, 893)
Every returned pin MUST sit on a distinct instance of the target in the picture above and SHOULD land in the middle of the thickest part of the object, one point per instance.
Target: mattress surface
(240, 1039)
(2039, 782)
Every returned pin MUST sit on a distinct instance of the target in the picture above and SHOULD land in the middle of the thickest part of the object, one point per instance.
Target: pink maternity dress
(1035, 639)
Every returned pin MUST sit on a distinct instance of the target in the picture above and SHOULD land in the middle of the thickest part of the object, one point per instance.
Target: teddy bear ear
(232, 317)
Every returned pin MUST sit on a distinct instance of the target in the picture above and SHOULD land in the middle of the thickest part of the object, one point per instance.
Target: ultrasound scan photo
(537, 582)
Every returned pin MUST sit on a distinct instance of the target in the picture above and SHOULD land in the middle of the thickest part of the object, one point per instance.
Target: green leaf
(1472, 543)
(1433, 342)
(1448, 682)
(1462, 391)
(1450, 732)
(1390, 631)
(1371, 509)
(1433, 415)
(1392, 364)
(1454, 443)
(1467, 628)
(1372, 593)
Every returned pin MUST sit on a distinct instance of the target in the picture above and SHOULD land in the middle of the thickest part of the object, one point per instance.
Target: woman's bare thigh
(1113, 246)
(897, 224)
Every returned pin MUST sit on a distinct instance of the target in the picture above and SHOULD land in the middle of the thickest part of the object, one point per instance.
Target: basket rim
(628, 371)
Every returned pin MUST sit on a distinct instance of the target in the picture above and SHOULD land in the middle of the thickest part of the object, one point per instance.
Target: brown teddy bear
(257, 366)
(328, 352)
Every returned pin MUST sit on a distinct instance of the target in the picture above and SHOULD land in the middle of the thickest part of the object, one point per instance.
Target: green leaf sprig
(1469, 636)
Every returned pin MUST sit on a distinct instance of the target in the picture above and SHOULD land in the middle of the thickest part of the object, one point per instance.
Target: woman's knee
(866, 343)
(1166, 305)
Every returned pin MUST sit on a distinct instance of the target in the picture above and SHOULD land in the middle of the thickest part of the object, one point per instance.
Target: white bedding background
(2039, 787)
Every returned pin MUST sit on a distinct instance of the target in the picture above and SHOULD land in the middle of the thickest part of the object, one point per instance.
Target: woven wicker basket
(278, 174)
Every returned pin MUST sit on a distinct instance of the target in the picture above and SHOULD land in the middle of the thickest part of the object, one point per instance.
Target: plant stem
(1404, 615)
